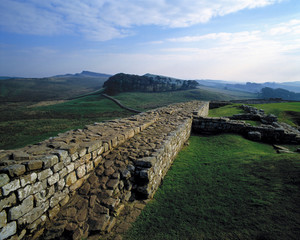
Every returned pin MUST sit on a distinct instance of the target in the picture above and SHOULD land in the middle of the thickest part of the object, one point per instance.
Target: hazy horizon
(233, 40)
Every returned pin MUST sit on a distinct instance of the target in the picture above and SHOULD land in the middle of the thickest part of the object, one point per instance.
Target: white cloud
(107, 19)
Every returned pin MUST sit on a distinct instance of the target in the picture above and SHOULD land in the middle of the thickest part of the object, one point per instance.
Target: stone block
(20, 156)
(64, 201)
(34, 165)
(54, 211)
(70, 167)
(146, 162)
(43, 195)
(24, 192)
(49, 161)
(4, 179)
(71, 179)
(8, 202)
(110, 203)
(14, 170)
(57, 167)
(61, 184)
(89, 166)
(9, 230)
(74, 156)
(81, 171)
(98, 160)
(3, 219)
(61, 154)
(45, 174)
(53, 179)
(28, 179)
(11, 186)
(77, 184)
(57, 198)
(112, 184)
(34, 214)
(62, 173)
(98, 223)
(18, 211)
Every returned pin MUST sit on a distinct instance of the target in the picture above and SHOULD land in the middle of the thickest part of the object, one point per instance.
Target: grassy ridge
(244, 190)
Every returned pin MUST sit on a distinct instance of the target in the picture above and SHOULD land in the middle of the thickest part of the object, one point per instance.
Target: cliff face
(148, 83)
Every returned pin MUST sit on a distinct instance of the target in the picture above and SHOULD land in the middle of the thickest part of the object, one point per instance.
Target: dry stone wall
(78, 182)
(279, 133)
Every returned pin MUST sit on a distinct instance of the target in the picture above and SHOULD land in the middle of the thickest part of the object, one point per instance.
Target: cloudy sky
(239, 40)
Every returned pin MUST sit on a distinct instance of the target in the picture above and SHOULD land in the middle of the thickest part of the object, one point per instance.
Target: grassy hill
(44, 89)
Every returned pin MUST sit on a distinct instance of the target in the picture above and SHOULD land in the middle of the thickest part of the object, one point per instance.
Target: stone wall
(78, 181)
(267, 133)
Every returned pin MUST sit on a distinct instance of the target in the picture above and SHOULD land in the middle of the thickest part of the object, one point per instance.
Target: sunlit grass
(225, 187)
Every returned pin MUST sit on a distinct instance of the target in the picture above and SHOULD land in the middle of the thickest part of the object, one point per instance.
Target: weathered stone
(57, 198)
(99, 209)
(71, 179)
(9, 230)
(54, 211)
(45, 174)
(57, 167)
(146, 162)
(255, 136)
(53, 179)
(89, 166)
(24, 192)
(112, 223)
(108, 164)
(84, 190)
(19, 156)
(99, 170)
(70, 167)
(110, 203)
(34, 165)
(109, 171)
(4, 179)
(62, 173)
(82, 214)
(112, 184)
(11, 186)
(64, 201)
(70, 212)
(98, 223)
(28, 179)
(3, 219)
(92, 201)
(34, 214)
(18, 211)
(43, 195)
(81, 171)
(77, 184)
(61, 154)
(8, 202)
(14, 170)
(61, 184)
(98, 160)
(49, 161)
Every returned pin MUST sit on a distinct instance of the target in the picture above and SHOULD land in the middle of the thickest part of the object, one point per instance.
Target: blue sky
(237, 40)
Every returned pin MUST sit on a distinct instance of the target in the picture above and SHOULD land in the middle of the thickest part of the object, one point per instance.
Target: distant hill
(267, 93)
(147, 83)
(84, 74)
(257, 87)
(51, 88)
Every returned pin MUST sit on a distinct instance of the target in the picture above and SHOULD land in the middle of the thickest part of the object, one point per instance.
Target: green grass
(225, 111)
(20, 125)
(244, 190)
(144, 101)
(288, 112)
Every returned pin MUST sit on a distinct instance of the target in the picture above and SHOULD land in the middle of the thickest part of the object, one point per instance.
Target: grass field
(242, 190)
(288, 112)
(21, 125)
(143, 101)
